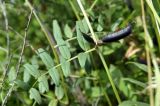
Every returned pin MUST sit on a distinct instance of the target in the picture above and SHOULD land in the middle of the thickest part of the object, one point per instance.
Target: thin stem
(19, 61)
(2, 3)
(101, 56)
(148, 46)
(46, 32)
(92, 6)
(158, 28)
(34, 104)
(151, 97)
(3, 49)
(151, 92)
(17, 33)
(153, 10)
(109, 77)
(91, 50)
(74, 10)
(87, 20)
(106, 95)
(157, 80)
(8, 56)
(76, 76)
(68, 40)
(5, 72)
(158, 34)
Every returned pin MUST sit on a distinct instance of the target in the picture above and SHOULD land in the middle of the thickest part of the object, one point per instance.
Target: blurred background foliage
(82, 80)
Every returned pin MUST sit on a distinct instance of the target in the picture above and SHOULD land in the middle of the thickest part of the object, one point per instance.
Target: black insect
(111, 37)
(88, 38)
(118, 35)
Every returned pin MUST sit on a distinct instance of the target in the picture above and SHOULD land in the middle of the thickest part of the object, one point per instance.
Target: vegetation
(46, 60)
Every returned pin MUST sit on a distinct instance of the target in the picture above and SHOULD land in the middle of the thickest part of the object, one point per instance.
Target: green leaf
(100, 20)
(46, 58)
(108, 50)
(26, 76)
(139, 65)
(100, 23)
(59, 92)
(68, 31)
(54, 75)
(79, 81)
(43, 84)
(22, 85)
(32, 70)
(94, 92)
(65, 67)
(34, 61)
(87, 84)
(56, 30)
(85, 25)
(64, 100)
(64, 50)
(82, 42)
(61, 42)
(122, 87)
(82, 57)
(133, 103)
(99, 28)
(82, 25)
(115, 72)
(12, 74)
(34, 94)
(53, 102)
(116, 24)
(136, 82)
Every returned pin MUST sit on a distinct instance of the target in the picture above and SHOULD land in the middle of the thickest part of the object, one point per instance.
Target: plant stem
(3, 7)
(19, 61)
(48, 36)
(87, 20)
(68, 40)
(151, 97)
(58, 65)
(153, 10)
(109, 76)
(92, 6)
(106, 95)
(74, 10)
(149, 45)
(101, 56)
